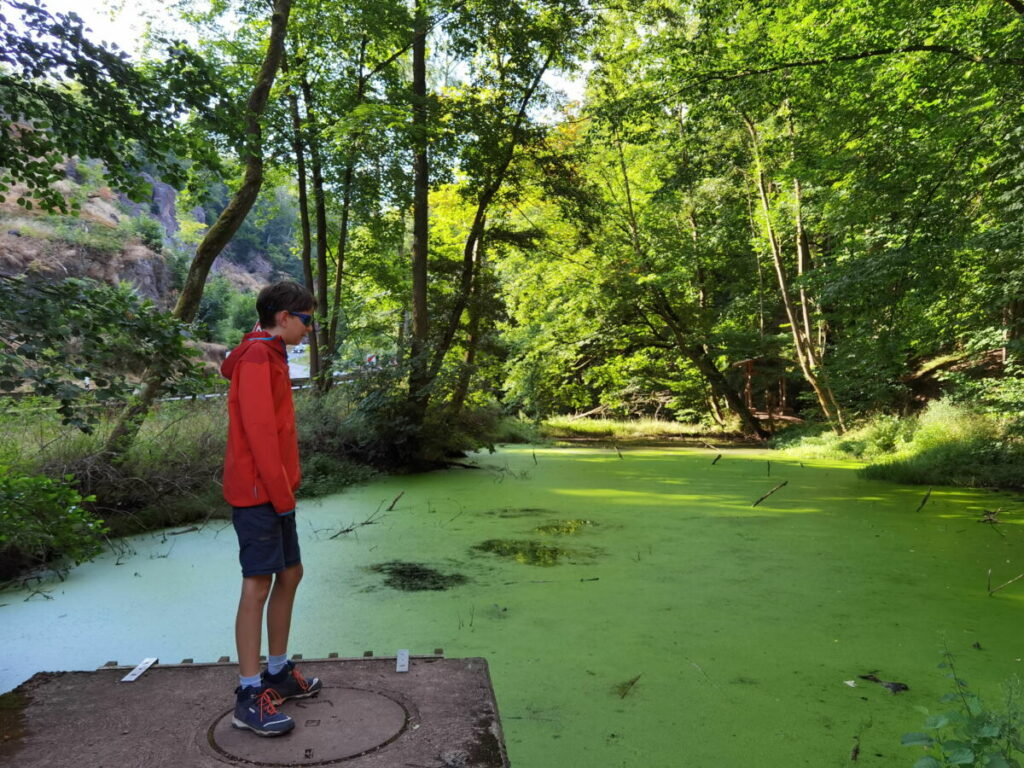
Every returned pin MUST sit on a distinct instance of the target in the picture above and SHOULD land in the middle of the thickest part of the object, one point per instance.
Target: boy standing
(261, 474)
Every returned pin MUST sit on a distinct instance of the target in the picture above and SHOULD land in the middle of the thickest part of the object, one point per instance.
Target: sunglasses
(307, 320)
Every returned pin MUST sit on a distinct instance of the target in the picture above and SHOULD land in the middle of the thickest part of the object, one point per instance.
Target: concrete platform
(440, 714)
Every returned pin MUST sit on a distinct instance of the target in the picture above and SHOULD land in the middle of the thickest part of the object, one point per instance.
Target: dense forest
(754, 214)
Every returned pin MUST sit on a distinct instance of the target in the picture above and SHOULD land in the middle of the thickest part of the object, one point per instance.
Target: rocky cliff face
(58, 247)
(161, 206)
(55, 259)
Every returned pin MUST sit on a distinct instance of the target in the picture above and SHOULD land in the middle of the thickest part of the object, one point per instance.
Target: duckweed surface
(708, 633)
(514, 512)
(564, 528)
(526, 551)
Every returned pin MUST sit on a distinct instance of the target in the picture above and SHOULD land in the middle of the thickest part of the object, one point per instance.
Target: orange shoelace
(300, 679)
(268, 701)
(277, 697)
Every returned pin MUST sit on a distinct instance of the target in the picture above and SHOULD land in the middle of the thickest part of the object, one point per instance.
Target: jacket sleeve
(259, 421)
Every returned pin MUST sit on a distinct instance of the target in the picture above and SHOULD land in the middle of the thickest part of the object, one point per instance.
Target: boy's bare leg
(279, 611)
(249, 623)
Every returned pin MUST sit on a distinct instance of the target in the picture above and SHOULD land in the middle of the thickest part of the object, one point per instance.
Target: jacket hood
(274, 343)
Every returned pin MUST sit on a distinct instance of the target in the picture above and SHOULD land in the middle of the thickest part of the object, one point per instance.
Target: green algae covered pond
(635, 611)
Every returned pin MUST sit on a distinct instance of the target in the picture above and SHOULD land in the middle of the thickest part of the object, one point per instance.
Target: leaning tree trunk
(461, 390)
(227, 224)
(698, 354)
(476, 230)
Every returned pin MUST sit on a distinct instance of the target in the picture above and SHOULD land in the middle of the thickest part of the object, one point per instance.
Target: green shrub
(43, 520)
(955, 445)
(971, 734)
(323, 474)
(368, 420)
(516, 429)
(148, 230)
(168, 476)
(947, 444)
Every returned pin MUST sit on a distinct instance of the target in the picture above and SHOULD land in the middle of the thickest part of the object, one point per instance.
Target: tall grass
(169, 476)
(947, 444)
(638, 429)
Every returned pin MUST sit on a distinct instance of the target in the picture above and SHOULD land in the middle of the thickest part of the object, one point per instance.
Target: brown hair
(287, 295)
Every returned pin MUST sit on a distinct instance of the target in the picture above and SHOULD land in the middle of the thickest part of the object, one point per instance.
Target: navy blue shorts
(267, 541)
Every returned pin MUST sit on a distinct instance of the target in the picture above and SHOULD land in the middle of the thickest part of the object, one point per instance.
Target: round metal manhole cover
(337, 725)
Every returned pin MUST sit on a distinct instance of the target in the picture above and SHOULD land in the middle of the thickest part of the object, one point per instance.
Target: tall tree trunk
(802, 255)
(760, 271)
(461, 390)
(419, 380)
(716, 408)
(223, 229)
(320, 208)
(339, 272)
(702, 292)
(306, 242)
(825, 398)
(346, 207)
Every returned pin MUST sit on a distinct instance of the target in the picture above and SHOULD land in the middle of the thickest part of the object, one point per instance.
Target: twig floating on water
(989, 587)
(889, 685)
(535, 458)
(924, 501)
(990, 516)
(1015, 578)
(392, 507)
(716, 459)
(769, 469)
(186, 530)
(773, 490)
(617, 449)
(368, 521)
(624, 688)
(708, 445)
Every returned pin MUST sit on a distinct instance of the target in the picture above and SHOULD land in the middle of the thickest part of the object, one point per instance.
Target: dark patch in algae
(527, 551)
(415, 577)
(564, 527)
(520, 512)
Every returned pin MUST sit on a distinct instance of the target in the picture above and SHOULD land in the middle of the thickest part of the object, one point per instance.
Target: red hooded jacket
(262, 460)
